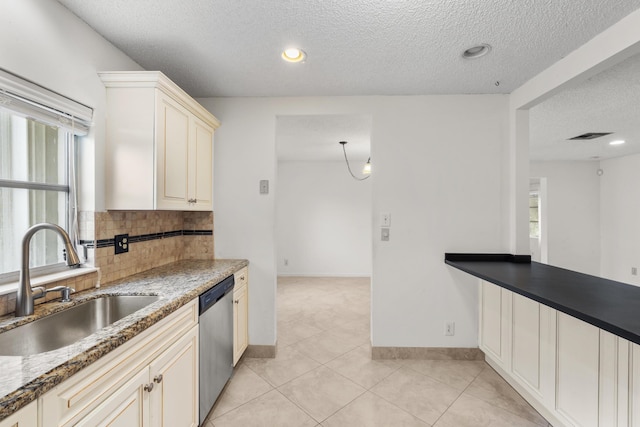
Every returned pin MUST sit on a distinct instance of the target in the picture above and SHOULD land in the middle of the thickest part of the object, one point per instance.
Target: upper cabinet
(159, 150)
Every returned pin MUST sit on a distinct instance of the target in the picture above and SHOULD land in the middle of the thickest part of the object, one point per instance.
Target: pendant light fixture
(367, 166)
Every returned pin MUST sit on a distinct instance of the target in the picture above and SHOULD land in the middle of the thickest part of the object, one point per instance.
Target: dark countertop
(24, 378)
(609, 305)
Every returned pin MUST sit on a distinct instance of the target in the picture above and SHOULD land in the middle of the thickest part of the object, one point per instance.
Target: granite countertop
(607, 304)
(24, 378)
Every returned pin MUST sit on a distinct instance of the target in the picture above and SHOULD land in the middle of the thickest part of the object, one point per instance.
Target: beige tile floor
(323, 374)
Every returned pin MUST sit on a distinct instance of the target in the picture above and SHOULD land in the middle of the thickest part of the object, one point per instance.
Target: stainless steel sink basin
(68, 326)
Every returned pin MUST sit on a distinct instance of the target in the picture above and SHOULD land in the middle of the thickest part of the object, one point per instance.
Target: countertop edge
(36, 387)
(456, 260)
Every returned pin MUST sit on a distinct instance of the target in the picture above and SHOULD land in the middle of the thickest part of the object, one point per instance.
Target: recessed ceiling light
(294, 55)
(617, 142)
(476, 51)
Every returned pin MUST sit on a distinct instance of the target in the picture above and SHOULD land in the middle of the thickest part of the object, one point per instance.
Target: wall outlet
(450, 328)
(264, 186)
(634, 271)
(121, 242)
(385, 219)
(286, 262)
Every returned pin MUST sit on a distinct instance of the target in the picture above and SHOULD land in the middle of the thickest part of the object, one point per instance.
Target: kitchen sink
(66, 327)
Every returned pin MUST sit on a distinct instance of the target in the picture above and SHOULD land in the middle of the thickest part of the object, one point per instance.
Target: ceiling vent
(589, 135)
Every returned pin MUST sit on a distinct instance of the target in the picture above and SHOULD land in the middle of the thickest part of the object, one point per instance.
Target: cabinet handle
(192, 200)
(157, 379)
(148, 387)
(236, 301)
(242, 277)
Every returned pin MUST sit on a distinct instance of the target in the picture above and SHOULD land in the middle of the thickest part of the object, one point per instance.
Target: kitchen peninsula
(567, 341)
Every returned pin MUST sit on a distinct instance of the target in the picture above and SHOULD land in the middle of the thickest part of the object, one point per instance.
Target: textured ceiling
(362, 47)
(317, 137)
(608, 102)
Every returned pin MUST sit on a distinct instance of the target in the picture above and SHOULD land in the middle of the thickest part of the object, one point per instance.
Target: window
(534, 215)
(34, 188)
(37, 137)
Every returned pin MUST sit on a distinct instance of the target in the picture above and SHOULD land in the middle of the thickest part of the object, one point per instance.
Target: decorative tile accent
(156, 238)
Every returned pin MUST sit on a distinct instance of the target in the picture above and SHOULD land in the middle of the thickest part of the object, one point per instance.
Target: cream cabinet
(150, 381)
(240, 314)
(570, 371)
(495, 334)
(159, 150)
(25, 417)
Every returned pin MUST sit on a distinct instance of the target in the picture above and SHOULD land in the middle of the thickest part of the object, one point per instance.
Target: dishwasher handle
(213, 295)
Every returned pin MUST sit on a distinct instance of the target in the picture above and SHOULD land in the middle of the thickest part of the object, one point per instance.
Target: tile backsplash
(155, 238)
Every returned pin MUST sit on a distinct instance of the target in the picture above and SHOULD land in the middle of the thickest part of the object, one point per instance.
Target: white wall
(620, 218)
(614, 45)
(323, 220)
(573, 214)
(438, 170)
(41, 41)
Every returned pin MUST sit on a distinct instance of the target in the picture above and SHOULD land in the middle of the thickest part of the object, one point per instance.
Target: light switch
(384, 236)
(385, 219)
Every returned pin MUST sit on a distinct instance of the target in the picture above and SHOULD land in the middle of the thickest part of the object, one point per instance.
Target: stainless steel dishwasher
(216, 343)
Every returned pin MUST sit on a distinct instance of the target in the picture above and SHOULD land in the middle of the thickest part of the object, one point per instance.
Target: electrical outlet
(264, 186)
(385, 219)
(286, 262)
(450, 328)
(121, 242)
(634, 271)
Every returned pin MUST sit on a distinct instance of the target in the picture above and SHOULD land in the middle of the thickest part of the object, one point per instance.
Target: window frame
(69, 189)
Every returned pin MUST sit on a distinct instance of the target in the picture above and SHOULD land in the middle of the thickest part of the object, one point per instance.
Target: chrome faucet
(25, 295)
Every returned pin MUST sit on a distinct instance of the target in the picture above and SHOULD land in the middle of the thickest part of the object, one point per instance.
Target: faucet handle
(38, 292)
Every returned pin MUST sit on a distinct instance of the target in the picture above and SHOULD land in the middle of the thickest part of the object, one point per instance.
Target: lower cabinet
(150, 381)
(25, 417)
(572, 372)
(240, 314)
(124, 408)
(174, 377)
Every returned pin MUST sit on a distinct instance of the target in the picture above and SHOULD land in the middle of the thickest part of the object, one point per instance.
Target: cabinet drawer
(75, 397)
(241, 277)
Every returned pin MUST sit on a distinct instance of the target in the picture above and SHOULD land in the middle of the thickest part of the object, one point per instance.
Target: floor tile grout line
(505, 409)
(398, 407)
(297, 406)
(456, 399)
(440, 381)
(248, 401)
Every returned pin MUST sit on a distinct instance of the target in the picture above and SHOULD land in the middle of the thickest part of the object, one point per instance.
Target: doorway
(323, 230)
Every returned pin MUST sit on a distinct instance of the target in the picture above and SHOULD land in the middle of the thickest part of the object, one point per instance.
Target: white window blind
(38, 128)
(31, 100)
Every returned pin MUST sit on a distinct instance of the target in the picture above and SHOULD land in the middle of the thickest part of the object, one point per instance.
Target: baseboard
(427, 353)
(364, 276)
(261, 351)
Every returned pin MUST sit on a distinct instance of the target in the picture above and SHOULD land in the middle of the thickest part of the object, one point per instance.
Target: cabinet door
(174, 398)
(240, 322)
(495, 315)
(577, 371)
(127, 407)
(25, 417)
(172, 145)
(533, 347)
(201, 166)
